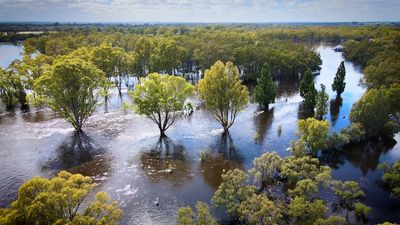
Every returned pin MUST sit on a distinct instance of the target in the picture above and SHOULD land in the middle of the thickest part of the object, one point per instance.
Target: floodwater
(123, 153)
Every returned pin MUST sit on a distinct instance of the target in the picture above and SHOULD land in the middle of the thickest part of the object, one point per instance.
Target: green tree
(338, 83)
(11, 88)
(348, 192)
(69, 88)
(361, 210)
(162, 98)
(266, 167)
(258, 209)
(392, 177)
(314, 133)
(332, 220)
(223, 93)
(204, 217)
(265, 92)
(321, 105)
(295, 169)
(307, 90)
(233, 191)
(58, 201)
(167, 56)
(143, 49)
(304, 212)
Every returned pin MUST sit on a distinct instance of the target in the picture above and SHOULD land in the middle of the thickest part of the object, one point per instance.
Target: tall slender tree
(265, 90)
(307, 90)
(321, 107)
(338, 82)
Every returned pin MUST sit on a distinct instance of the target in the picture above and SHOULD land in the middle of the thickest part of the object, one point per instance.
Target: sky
(208, 11)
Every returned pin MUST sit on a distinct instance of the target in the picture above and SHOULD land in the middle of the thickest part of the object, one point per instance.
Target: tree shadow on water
(222, 156)
(364, 156)
(74, 151)
(334, 109)
(263, 123)
(166, 160)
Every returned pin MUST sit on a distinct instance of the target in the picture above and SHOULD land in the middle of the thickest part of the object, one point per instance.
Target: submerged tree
(265, 92)
(11, 88)
(223, 93)
(69, 89)
(307, 90)
(162, 98)
(321, 106)
(338, 82)
(58, 201)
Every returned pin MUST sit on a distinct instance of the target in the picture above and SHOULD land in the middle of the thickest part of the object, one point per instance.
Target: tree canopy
(223, 93)
(162, 98)
(265, 92)
(70, 88)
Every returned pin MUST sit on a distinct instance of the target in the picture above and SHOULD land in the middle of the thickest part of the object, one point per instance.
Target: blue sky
(200, 10)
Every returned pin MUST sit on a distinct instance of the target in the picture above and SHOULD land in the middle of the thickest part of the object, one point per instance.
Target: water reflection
(225, 147)
(166, 160)
(77, 149)
(213, 166)
(287, 88)
(263, 122)
(365, 157)
(334, 109)
(303, 112)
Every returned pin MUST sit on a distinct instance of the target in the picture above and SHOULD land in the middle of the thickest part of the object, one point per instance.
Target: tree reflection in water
(263, 123)
(304, 113)
(222, 156)
(334, 109)
(166, 160)
(75, 152)
(363, 156)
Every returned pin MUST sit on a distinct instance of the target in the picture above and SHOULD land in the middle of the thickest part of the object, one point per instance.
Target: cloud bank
(199, 10)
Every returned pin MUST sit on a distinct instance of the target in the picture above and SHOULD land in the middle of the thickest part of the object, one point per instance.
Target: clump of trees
(374, 110)
(265, 92)
(223, 93)
(12, 88)
(69, 89)
(59, 201)
(391, 177)
(161, 98)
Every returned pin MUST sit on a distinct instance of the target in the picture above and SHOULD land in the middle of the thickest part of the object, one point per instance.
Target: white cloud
(199, 10)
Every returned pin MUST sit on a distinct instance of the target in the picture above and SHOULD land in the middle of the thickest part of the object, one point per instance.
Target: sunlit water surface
(123, 153)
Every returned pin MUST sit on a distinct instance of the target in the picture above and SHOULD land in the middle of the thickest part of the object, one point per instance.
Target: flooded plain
(123, 153)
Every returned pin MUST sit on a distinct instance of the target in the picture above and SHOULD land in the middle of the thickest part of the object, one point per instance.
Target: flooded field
(123, 153)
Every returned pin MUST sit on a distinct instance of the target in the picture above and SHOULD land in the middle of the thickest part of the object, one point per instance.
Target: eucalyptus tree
(161, 98)
(223, 93)
(70, 88)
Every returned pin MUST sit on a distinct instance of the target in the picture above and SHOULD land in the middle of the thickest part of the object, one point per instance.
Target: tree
(332, 220)
(223, 93)
(204, 217)
(265, 92)
(314, 133)
(69, 88)
(11, 88)
(307, 90)
(361, 210)
(321, 103)
(258, 209)
(143, 49)
(338, 82)
(58, 201)
(295, 169)
(233, 191)
(348, 192)
(391, 177)
(303, 211)
(162, 98)
(167, 56)
(266, 167)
